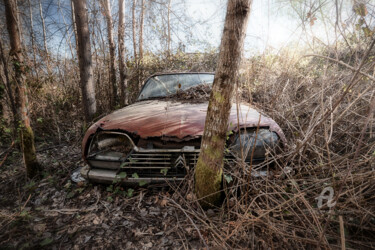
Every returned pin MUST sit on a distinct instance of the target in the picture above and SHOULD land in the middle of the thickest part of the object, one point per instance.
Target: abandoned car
(158, 138)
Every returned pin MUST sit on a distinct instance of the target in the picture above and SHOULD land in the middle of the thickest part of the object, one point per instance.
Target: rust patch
(173, 119)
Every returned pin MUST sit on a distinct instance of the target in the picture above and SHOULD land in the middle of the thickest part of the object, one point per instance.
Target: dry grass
(326, 111)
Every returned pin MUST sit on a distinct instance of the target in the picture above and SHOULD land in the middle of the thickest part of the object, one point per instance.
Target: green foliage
(122, 175)
(30, 186)
(164, 171)
(109, 188)
(135, 176)
(71, 194)
(130, 192)
(142, 183)
(118, 190)
(46, 242)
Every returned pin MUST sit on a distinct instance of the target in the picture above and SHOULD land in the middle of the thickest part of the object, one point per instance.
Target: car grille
(158, 163)
(150, 165)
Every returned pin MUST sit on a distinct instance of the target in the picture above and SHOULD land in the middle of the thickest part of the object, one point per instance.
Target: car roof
(178, 73)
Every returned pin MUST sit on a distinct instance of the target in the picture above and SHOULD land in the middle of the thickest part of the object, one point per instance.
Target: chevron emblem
(180, 162)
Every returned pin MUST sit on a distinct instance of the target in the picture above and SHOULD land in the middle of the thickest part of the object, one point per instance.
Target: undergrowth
(327, 113)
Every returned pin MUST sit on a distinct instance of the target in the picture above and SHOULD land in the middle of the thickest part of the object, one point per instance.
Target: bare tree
(33, 39)
(66, 28)
(169, 27)
(134, 29)
(74, 23)
(112, 49)
(140, 42)
(121, 50)
(6, 80)
(85, 59)
(44, 35)
(21, 98)
(208, 172)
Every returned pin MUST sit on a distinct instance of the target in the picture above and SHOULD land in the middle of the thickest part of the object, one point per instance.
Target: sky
(272, 24)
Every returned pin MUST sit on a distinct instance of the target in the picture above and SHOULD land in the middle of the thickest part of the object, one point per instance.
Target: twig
(343, 64)
(6, 152)
(192, 222)
(342, 232)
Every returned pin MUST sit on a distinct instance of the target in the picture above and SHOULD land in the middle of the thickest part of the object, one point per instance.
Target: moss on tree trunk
(209, 193)
(29, 155)
(26, 133)
(209, 169)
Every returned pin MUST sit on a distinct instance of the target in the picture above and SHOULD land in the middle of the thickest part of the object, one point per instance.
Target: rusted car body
(158, 137)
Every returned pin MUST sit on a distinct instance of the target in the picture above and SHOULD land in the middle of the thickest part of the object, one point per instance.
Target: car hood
(183, 120)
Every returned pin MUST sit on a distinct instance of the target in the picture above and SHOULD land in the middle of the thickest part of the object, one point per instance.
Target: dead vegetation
(327, 113)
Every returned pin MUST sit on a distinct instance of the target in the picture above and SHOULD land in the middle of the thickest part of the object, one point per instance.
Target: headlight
(110, 146)
(251, 140)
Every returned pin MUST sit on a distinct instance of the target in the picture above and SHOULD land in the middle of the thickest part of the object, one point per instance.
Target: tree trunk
(9, 89)
(169, 28)
(208, 173)
(112, 49)
(140, 42)
(85, 60)
(140, 46)
(33, 40)
(66, 29)
(44, 36)
(26, 133)
(74, 25)
(121, 50)
(134, 29)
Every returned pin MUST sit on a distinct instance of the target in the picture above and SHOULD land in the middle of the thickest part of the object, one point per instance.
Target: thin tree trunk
(66, 29)
(169, 28)
(26, 132)
(134, 29)
(44, 36)
(121, 49)
(112, 49)
(33, 40)
(140, 46)
(208, 173)
(74, 25)
(85, 60)
(13, 105)
(140, 42)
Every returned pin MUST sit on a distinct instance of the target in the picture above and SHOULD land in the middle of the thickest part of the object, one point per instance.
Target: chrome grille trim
(151, 163)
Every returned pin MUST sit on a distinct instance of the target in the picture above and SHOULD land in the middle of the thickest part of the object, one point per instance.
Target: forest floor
(54, 212)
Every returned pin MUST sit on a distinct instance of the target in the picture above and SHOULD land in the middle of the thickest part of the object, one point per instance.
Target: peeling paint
(173, 119)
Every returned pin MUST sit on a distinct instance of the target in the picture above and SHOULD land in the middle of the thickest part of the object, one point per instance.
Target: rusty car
(158, 137)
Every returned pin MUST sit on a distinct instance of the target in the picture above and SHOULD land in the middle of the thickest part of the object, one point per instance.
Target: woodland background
(321, 93)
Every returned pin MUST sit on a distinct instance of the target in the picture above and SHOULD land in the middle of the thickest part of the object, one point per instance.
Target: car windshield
(166, 85)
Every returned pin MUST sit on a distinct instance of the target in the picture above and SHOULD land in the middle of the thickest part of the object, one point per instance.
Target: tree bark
(33, 40)
(85, 59)
(66, 29)
(112, 49)
(21, 100)
(44, 36)
(134, 29)
(121, 50)
(140, 42)
(74, 25)
(208, 173)
(169, 28)
(9, 89)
